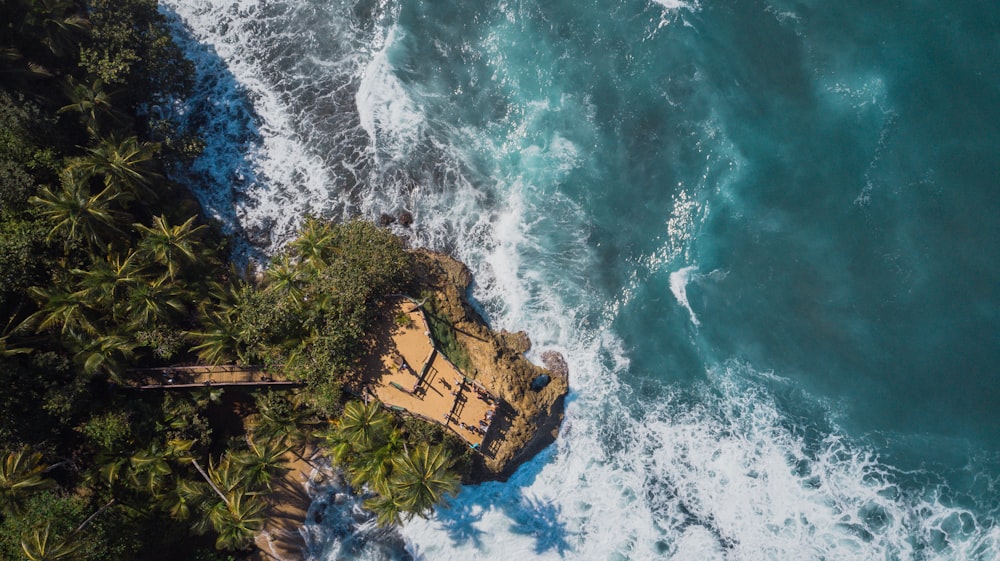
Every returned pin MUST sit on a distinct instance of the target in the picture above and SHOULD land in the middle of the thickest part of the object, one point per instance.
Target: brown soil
(288, 502)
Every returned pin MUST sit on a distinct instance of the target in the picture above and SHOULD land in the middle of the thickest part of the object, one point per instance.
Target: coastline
(281, 538)
(497, 362)
(534, 395)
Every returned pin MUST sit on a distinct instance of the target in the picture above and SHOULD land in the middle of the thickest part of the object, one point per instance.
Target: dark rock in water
(405, 218)
(555, 362)
(259, 235)
(386, 219)
(539, 383)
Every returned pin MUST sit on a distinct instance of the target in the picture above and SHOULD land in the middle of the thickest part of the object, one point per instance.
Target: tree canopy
(107, 265)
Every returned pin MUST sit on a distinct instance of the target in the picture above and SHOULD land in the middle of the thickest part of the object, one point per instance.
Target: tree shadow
(220, 110)
(532, 517)
(460, 520)
(542, 521)
(503, 419)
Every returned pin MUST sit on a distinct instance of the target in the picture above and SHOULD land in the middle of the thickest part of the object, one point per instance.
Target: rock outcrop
(533, 414)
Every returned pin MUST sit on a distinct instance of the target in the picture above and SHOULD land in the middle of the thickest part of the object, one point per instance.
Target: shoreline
(281, 538)
(527, 421)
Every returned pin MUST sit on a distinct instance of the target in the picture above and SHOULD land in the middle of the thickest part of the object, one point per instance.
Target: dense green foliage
(406, 478)
(100, 275)
(445, 337)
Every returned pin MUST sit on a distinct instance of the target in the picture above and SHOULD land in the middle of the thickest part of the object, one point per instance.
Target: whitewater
(687, 229)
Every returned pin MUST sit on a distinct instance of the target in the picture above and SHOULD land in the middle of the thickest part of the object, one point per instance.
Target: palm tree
(387, 508)
(313, 242)
(20, 474)
(153, 302)
(101, 353)
(336, 446)
(228, 475)
(171, 246)
(89, 101)
(40, 546)
(150, 468)
(184, 498)
(374, 466)
(238, 519)
(286, 277)
(127, 165)
(105, 283)
(78, 214)
(68, 311)
(219, 342)
(261, 462)
(7, 350)
(363, 424)
(281, 422)
(54, 24)
(422, 478)
(112, 465)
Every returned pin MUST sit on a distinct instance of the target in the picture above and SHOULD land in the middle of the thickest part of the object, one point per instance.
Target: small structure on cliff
(414, 376)
(491, 403)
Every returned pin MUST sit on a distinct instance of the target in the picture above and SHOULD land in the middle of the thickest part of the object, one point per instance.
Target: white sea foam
(387, 112)
(712, 472)
(263, 169)
(677, 4)
(679, 280)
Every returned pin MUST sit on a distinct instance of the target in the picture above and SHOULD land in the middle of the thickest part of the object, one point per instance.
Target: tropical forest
(109, 267)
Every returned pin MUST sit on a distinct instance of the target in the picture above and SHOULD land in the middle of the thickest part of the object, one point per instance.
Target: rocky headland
(534, 395)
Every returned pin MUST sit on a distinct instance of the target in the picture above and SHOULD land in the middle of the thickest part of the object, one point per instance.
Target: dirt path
(281, 538)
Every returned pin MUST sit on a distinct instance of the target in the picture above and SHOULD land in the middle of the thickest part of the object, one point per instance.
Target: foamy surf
(679, 280)
(718, 470)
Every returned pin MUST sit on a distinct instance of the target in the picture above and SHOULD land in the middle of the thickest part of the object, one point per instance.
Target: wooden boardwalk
(410, 376)
(179, 377)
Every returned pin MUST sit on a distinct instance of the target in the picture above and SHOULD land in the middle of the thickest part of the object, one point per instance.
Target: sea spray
(513, 154)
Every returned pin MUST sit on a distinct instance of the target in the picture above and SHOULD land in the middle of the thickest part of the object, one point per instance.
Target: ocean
(765, 234)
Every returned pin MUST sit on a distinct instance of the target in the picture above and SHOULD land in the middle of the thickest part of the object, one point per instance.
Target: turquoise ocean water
(765, 235)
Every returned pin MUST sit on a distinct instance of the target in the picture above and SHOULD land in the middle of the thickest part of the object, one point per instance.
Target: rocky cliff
(533, 395)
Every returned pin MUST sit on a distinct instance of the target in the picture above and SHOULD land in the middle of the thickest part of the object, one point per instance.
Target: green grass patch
(445, 337)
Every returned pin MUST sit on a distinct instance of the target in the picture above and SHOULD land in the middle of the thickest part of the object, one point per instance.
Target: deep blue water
(764, 234)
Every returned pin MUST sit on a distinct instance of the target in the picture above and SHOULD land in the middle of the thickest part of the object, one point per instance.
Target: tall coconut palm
(422, 478)
(77, 213)
(374, 466)
(151, 468)
(184, 498)
(69, 311)
(7, 349)
(387, 508)
(152, 302)
(228, 475)
(238, 519)
(335, 445)
(91, 102)
(363, 424)
(106, 283)
(171, 246)
(219, 342)
(127, 165)
(313, 242)
(261, 462)
(41, 545)
(101, 353)
(286, 277)
(20, 475)
(112, 466)
(55, 24)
